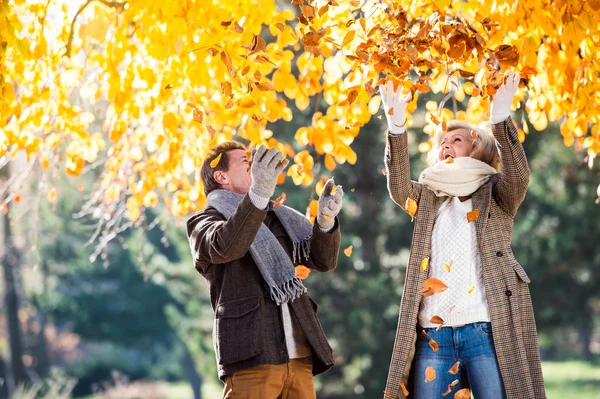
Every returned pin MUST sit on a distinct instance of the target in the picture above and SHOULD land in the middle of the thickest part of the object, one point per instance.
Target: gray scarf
(273, 262)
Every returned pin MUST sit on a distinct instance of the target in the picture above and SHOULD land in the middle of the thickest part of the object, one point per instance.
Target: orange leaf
(411, 206)
(473, 134)
(404, 390)
(429, 374)
(451, 309)
(391, 111)
(257, 75)
(348, 251)
(473, 215)
(17, 199)
(211, 130)
(433, 286)
(280, 26)
(454, 368)
(280, 200)
(4, 209)
(265, 86)
(437, 320)
(450, 386)
(422, 87)
(424, 264)
(434, 345)
(384, 171)
(215, 162)
(464, 393)
(302, 272)
(353, 189)
(450, 159)
(330, 219)
(348, 38)
(80, 187)
(246, 103)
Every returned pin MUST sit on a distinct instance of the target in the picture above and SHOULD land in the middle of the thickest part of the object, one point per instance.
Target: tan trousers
(293, 380)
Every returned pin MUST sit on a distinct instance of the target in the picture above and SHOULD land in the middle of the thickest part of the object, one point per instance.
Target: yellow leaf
(215, 162)
(52, 195)
(246, 103)
(348, 38)
(348, 251)
(411, 207)
(329, 162)
(424, 264)
(471, 289)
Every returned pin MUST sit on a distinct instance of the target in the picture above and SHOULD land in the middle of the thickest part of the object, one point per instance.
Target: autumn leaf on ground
(433, 286)
(424, 264)
(429, 374)
(348, 251)
(450, 386)
(473, 215)
(454, 368)
(434, 345)
(302, 272)
(464, 393)
(215, 162)
(280, 200)
(411, 207)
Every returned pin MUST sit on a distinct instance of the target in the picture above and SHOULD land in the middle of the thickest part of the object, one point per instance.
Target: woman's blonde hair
(485, 146)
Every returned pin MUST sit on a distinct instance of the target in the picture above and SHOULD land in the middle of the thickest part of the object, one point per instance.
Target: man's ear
(220, 177)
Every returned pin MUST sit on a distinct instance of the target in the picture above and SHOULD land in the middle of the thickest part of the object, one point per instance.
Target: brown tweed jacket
(248, 328)
(506, 283)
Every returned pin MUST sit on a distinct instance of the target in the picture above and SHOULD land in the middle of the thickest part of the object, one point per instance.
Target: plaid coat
(506, 283)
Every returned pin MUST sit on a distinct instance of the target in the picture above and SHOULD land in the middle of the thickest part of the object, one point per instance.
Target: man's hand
(329, 205)
(500, 108)
(266, 166)
(393, 100)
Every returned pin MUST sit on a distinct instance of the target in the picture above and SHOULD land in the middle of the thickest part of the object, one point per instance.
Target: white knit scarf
(457, 179)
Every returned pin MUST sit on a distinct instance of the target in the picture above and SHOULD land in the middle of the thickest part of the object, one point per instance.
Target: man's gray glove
(329, 205)
(266, 166)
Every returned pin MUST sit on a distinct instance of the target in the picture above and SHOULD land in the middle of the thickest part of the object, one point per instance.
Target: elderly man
(268, 340)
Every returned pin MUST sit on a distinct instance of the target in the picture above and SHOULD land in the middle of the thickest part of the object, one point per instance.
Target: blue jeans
(473, 346)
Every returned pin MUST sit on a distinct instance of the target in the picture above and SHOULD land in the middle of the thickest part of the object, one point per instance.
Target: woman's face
(455, 144)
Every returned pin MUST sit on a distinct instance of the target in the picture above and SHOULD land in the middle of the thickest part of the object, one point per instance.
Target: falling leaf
(265, 86)
(404, 390)
(17, 199)
(348, 38)
(429, 374)
(473, 134)
(451, 309)
(424, 264)
(464, 393)
(80, 187)
(384, 171)
(280, 200)
(454, 368)
(450, 386)
(450, 159)
(211, 130)
(447, 266)
(4, 209)
(246, 103)
(437, 320)
(411, 206)
(52, 195)
(471, 289)
(302, 272)
(473, 215)
(215, 162)
(348, 251)
(353, 189)
(433, 286)
(434, 345)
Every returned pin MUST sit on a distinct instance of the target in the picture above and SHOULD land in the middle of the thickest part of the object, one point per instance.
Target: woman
(475, 304)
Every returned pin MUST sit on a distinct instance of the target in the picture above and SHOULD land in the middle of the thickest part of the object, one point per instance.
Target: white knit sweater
(454, 242)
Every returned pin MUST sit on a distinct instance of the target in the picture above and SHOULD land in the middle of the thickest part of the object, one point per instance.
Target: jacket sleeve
(324, 248)
(400, 185)
(514, 177)
(215, 240)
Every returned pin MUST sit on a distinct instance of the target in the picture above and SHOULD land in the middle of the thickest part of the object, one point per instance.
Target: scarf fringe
(287, 292)
(301, 250)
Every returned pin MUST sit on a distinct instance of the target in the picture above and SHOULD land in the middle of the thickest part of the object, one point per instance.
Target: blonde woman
(480, 330)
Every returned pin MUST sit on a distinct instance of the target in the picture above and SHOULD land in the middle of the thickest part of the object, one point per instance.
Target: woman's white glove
(502, 100)
(394, 100)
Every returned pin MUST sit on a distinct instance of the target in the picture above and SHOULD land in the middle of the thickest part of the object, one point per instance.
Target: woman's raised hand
(394, 106)
(500, 108)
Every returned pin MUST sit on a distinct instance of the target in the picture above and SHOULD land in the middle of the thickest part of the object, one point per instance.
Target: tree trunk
(10, 262)
(4, 379)
(191, 374)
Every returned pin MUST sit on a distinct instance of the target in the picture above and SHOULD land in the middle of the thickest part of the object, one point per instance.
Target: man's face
(455, 144)
(237, 178)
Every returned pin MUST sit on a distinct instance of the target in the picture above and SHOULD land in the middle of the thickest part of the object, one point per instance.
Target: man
(268, 340)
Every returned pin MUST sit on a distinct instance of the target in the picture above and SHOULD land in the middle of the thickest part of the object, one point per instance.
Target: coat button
(499, 254)
(508, 293)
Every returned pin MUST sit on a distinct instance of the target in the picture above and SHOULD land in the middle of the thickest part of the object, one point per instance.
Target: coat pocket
(237, 330)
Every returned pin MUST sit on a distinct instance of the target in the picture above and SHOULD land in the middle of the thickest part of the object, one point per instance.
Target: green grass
(563, 380)
(571, 380)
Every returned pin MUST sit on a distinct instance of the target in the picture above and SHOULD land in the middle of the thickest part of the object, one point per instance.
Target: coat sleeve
(215, 240)
(324, 248)
(400, 185)
(511, 187)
